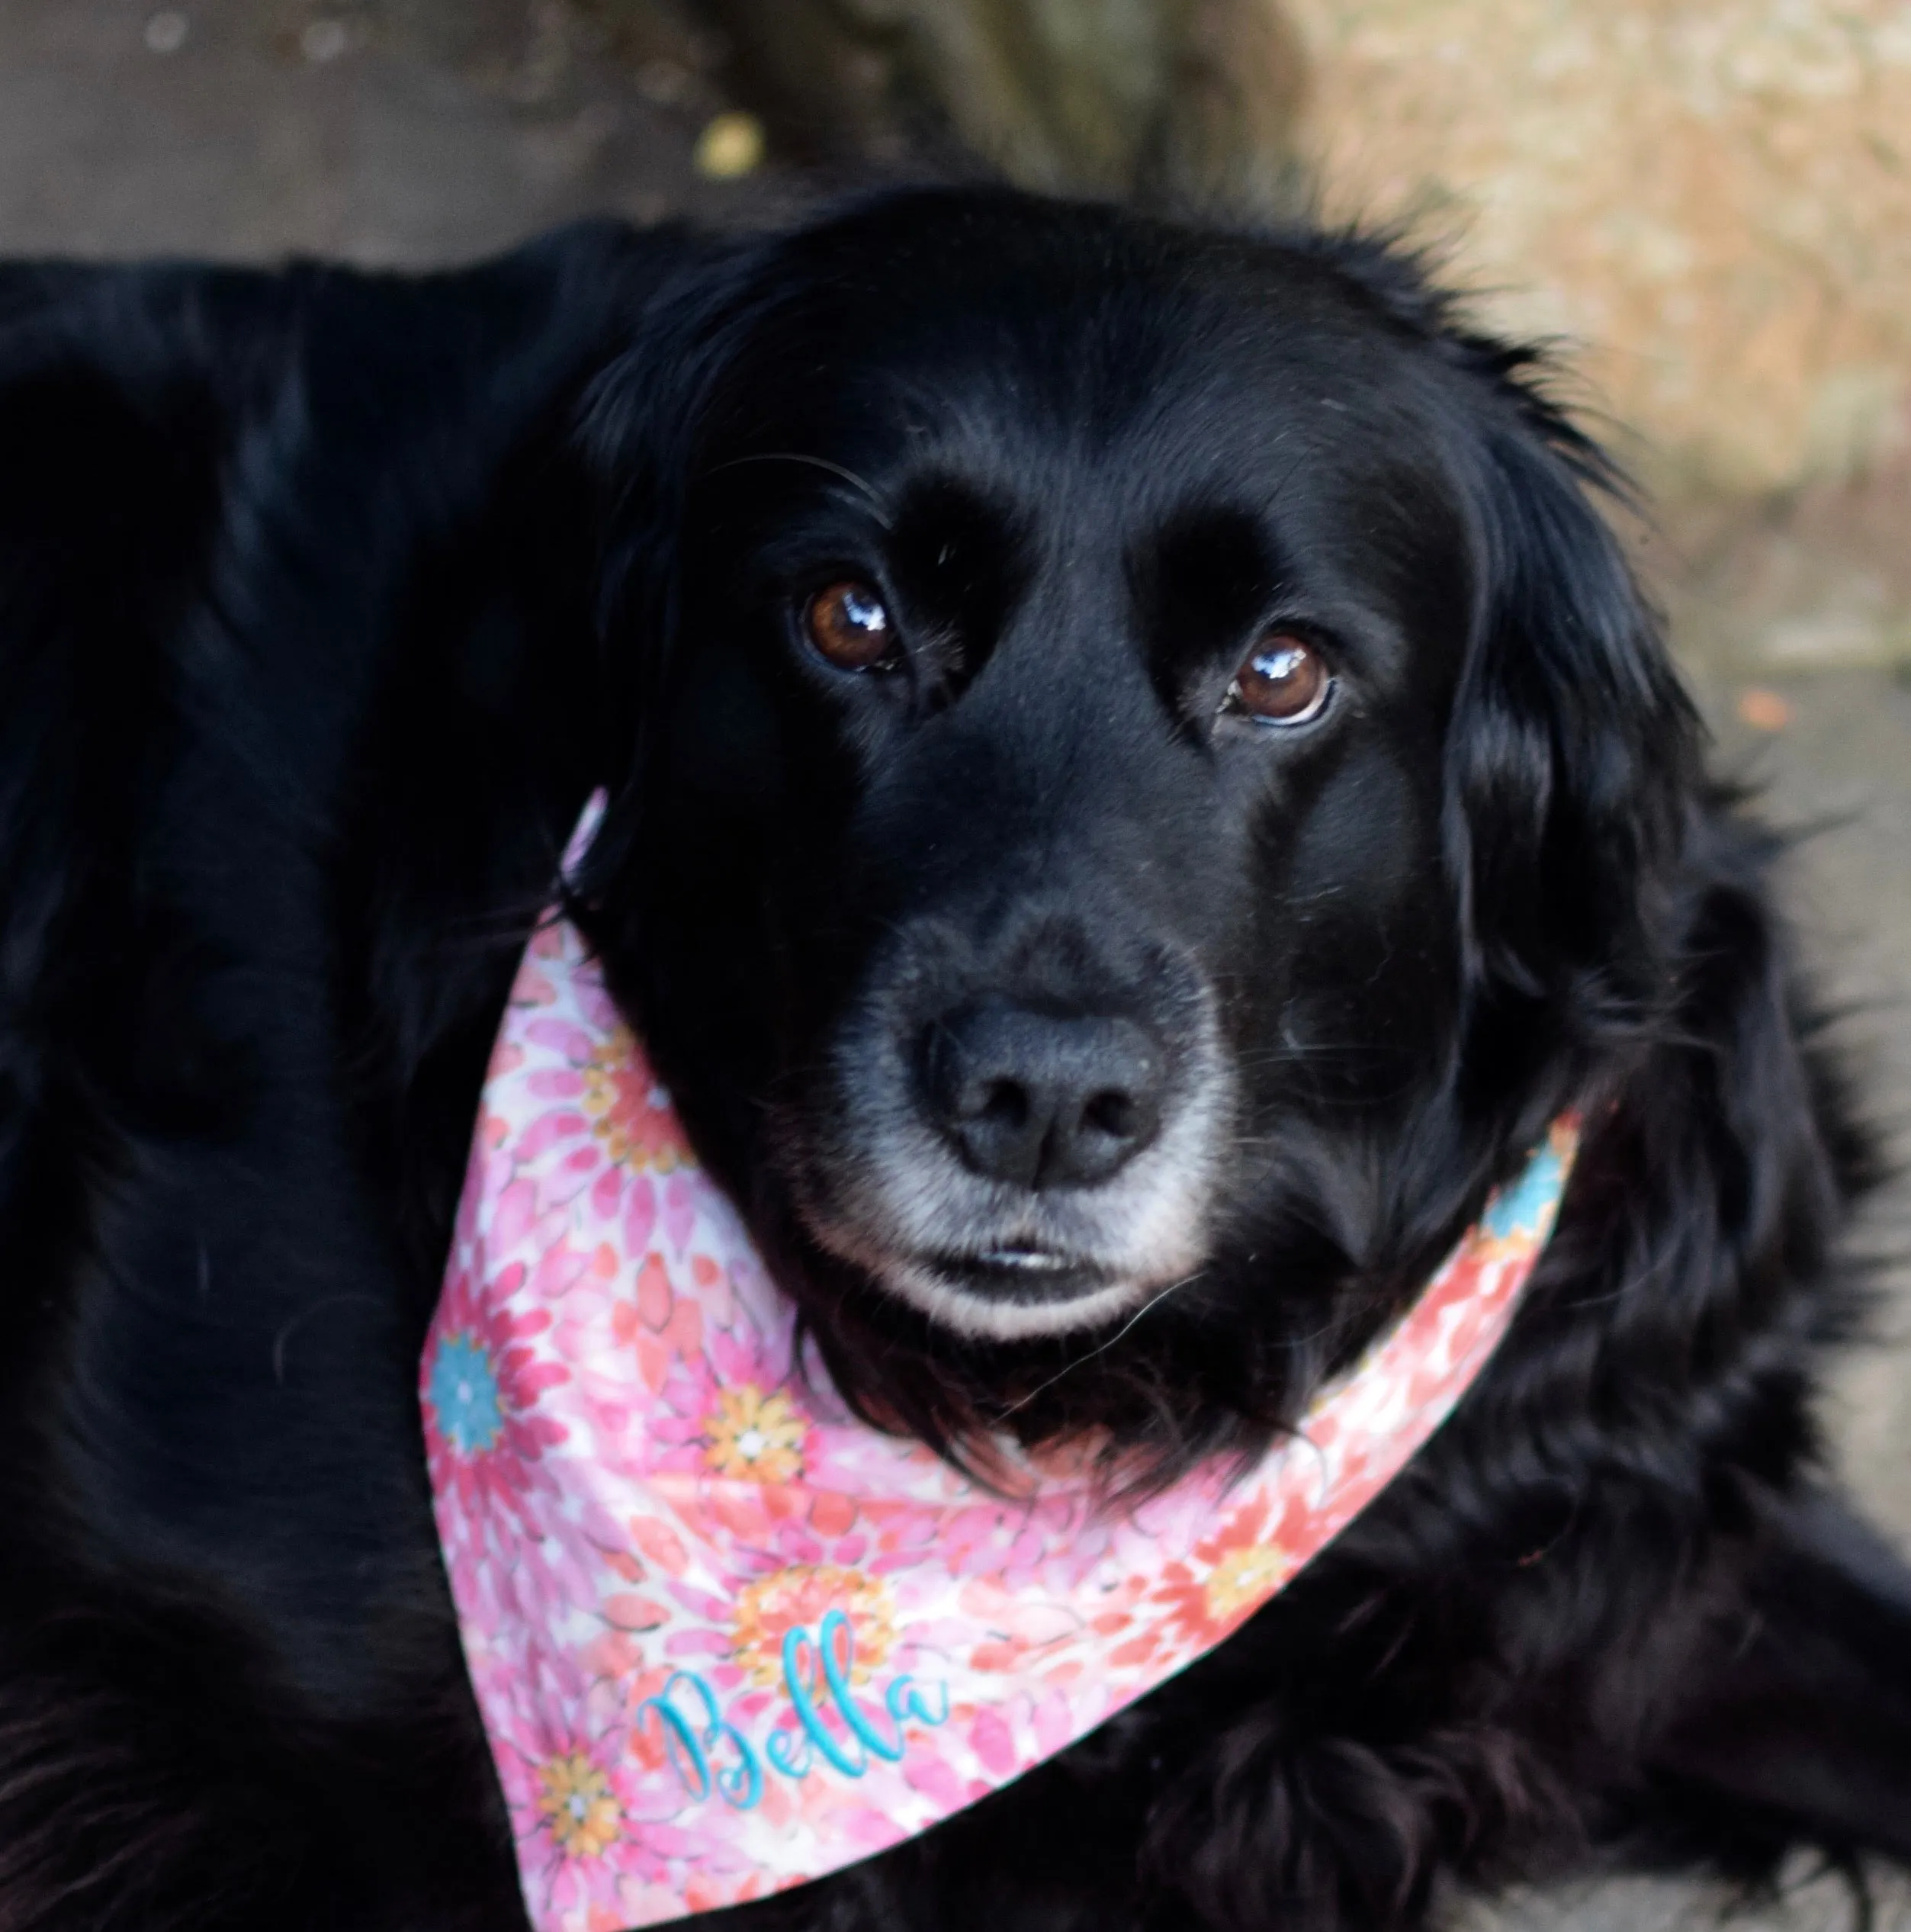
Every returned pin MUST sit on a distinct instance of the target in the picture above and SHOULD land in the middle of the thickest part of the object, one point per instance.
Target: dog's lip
(1031, 1272)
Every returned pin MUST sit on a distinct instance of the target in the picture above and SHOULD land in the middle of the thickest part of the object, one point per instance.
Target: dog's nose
(1039, 1099)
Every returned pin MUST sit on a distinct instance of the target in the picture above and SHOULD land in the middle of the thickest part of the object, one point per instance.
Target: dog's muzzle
(1022, 1164)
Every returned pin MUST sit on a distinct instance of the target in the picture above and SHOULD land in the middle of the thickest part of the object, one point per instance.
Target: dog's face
(1041, 886)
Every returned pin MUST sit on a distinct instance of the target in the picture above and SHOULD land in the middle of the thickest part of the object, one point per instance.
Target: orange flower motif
(1228, 1576)
(755, 1434)
(1244, 1579)
(575, 1799)
(799, 1598)
(628, 1110)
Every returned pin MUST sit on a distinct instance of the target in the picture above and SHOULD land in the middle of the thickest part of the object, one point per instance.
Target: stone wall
(1709, 200)
(1106, 96)
(1707, 203)
(1710, 196)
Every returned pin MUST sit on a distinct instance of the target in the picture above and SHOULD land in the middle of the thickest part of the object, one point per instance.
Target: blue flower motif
(1526, 1206)
(464, 1395)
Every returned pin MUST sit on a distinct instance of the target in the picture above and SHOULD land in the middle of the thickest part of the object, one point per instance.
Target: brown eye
(849, 625)
(1284, 681)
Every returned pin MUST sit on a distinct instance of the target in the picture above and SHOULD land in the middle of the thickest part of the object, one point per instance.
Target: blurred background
(1706, 205)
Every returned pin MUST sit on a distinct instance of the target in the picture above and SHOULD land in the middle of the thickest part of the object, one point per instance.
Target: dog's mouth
(1021, 1275)
(1012, 1263)
(1011, 1294)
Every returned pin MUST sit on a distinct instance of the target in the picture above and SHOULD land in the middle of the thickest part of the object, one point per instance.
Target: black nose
(1039, 1099)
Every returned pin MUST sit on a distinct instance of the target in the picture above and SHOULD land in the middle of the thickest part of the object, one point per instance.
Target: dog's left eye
(849, 625)
(1283, 681)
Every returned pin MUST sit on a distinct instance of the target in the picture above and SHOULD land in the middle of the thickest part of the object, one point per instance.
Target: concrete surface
(399, 132)
(416, 132)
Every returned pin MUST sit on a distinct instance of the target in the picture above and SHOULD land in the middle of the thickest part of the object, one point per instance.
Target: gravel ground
(430, 132)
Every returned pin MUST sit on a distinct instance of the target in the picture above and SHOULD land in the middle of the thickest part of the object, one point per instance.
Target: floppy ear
(635, 425)
(1572, 756)
(638, 431)
(1573, 752)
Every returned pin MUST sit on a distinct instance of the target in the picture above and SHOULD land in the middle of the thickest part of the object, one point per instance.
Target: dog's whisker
(869, 491)
(1100, 1348)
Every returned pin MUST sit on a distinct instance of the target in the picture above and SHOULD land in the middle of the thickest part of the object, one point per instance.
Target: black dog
(1133, 767)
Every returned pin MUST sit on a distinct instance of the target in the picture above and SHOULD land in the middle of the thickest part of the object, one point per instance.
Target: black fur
(326, 599)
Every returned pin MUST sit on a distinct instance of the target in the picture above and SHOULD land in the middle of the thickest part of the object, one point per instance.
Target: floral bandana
(725, 1637)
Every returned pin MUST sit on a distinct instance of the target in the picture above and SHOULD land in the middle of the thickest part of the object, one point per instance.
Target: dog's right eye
(849, 625)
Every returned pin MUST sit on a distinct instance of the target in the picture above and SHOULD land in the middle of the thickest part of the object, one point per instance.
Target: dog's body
(1033, 985)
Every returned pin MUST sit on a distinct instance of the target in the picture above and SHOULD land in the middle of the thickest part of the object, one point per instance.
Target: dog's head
(1150, 781)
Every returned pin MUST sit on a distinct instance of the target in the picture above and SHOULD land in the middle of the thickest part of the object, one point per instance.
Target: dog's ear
(1573, 753)
(1572, 756)
(635, 430)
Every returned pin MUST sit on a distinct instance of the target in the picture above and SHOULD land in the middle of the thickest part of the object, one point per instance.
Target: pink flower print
(800, 1597)
(993, 1743)
(576, 1811)
(1230, 1574)
(1013, 1632)
(629, 1112)
(852, 1459)
(672, 1436)
(481, 1381)
(623, 1202)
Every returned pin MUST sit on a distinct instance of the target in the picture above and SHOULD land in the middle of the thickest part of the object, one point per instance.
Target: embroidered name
(710, 1753)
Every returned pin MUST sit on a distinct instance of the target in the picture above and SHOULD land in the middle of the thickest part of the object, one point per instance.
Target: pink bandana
(726, 1638)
